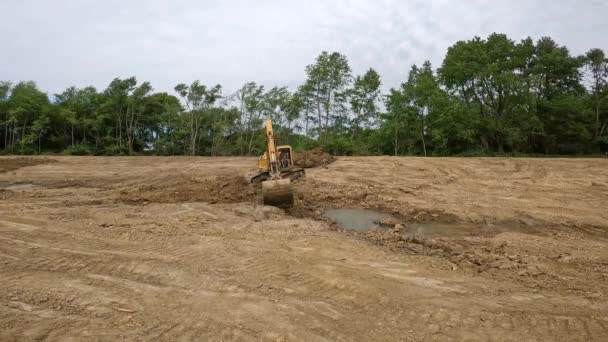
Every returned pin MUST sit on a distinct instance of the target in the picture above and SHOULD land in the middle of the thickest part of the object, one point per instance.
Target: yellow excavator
(276, 171)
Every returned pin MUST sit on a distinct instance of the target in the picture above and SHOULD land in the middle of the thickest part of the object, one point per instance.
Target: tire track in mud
(438, 320)
(192, 330)
(121, 260)
(480, 323)
(483, 325)
(299, 274)
(39, 237)
(162, 279)
(119, 287)
(170, 331)
(62, 262)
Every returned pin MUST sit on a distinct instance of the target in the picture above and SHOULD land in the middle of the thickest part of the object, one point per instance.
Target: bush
(113, 150)
(78, 150)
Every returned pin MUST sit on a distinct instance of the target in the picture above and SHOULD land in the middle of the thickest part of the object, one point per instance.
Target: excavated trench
(369, 220)
(364, 213)
(364, 210)
(354, 209)
(371, 214)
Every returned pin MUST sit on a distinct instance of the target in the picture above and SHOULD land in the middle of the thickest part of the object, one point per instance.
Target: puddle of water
(361, 220)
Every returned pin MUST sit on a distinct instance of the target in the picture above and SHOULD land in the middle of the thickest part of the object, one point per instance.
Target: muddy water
(360, 220)
(363, 220)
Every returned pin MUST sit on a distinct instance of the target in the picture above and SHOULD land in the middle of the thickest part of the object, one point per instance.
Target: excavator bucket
(278, 193)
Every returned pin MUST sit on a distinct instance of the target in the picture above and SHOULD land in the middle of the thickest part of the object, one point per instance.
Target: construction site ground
(181, 249)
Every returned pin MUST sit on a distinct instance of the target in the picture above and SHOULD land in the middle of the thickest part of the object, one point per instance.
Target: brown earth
(177, 189)
(8, 164)
(312, 158)
(174, 249)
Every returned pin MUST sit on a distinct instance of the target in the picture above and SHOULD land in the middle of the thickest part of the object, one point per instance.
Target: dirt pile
(11, 164)
(313, 158)
(186, 189)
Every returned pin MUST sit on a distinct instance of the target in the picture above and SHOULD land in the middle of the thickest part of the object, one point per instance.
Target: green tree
(490, 95)
(327, 80)
(160, 123)
(251, 108)
(219, 124)
(39, 129)
(5, 89)
(26, 104)
(115, 105)
(277, 108)
(364, 99)
(597, 64)
(556, 79)
(306, 97)
(484, 73)
(401, 123)
(555, 71)
(135, 109)
(79, 109)
(198, 98)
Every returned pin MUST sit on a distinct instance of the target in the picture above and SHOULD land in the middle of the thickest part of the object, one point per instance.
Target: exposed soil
(180, 248)
(313, 158)
(183, 189)
(9, 164)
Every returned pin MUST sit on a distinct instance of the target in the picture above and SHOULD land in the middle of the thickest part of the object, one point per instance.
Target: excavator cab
(276, 171)
(285, 159)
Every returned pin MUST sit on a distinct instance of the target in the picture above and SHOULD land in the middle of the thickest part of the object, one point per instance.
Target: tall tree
(365, 99)
(79, 109)
(116, 104)
(160, 121)
(135, 109)
(597, 64)
(307, 99)
(251, 106)
(198, 97)
(401, 122)
(26, 104)
(491, 94)
(5, 88)
(327, 80)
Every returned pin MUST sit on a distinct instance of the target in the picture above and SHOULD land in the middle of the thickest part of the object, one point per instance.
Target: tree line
(489, 95)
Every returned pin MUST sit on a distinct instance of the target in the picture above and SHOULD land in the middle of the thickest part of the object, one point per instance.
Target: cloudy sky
(60, 43)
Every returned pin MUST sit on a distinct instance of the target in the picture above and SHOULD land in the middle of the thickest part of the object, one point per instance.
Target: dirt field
(178, 249)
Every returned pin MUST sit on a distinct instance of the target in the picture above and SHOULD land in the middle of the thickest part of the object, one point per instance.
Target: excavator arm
(276, 172)
(274, 166)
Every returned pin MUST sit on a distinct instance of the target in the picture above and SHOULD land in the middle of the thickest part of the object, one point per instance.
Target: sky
(59, 43)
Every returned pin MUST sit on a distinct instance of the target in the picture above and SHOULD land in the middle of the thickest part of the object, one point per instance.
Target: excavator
(276, 171)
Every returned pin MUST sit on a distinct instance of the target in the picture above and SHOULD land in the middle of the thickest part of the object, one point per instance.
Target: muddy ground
(180, 248)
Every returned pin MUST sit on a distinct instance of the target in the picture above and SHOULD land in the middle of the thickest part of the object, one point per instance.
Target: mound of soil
(184, 189)
(11, 164)
(313, 158)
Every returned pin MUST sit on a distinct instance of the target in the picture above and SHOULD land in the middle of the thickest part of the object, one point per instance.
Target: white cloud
(75, 42)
